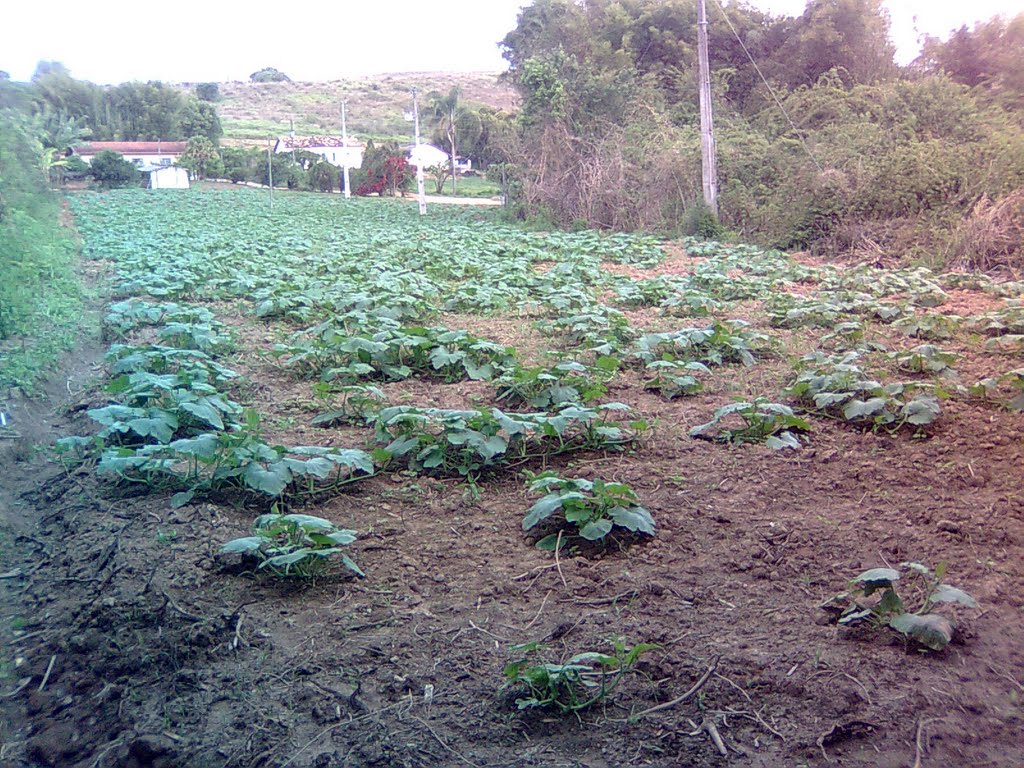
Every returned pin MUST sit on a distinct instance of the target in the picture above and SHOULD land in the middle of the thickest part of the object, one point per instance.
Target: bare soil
(129, 641)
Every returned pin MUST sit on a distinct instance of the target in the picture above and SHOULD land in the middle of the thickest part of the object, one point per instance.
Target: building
(168, 177)
(426, 156)
(145, 154)
(333, 149)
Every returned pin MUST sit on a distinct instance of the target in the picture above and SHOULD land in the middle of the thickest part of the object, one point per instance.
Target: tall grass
(40, 294)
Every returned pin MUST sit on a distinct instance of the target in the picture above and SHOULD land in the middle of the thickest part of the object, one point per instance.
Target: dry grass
(376, 103)
(991, 238)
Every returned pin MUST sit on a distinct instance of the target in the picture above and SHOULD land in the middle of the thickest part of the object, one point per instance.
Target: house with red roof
(334, 149)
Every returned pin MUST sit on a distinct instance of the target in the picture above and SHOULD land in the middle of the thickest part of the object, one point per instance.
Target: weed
(575, 684)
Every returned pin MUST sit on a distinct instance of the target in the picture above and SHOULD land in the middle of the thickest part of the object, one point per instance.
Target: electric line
(770, 90)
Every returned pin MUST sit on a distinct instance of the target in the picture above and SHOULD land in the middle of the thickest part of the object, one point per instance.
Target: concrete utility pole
(270, 175)
(344, 151)
(708, 155)
(421, 192)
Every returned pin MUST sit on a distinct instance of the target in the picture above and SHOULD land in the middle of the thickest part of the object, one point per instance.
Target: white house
(426, 155)
(168, 177)
(333, 149)
(145, 154)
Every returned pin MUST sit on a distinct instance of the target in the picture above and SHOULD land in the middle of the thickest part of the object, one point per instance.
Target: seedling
(873, 598)
(773, 424)
(593, 507)
(295, 545)
(573, 685)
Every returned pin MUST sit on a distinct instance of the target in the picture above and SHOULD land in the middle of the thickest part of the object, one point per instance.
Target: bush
(208, 92)
(323, 177)
(269, 75)
(110, 169)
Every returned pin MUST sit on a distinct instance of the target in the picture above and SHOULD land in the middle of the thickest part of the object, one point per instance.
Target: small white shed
(426, 156)
(170, 177)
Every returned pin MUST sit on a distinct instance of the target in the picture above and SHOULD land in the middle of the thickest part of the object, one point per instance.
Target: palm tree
(445, 110)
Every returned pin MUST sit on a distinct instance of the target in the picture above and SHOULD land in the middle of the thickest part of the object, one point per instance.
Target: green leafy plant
(292, 545)
(837, 386)
(926, 358)
(467, 442)
(674, 378)
(593, 507)
(349, 404)
(731, 341)
(549, 387)
(773, 424)
(873, 598)
(573, 685)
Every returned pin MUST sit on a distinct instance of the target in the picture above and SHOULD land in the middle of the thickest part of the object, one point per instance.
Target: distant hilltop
(376, 104)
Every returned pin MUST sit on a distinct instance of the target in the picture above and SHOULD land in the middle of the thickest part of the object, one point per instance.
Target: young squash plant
(573, 685)
(291, 545)
(593, 507)
(874, 598)
(773, 424)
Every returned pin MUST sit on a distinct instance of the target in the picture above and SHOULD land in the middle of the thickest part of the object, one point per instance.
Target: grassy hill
(376, 103)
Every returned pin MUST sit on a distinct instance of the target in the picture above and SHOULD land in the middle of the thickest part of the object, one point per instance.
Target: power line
(770, 89)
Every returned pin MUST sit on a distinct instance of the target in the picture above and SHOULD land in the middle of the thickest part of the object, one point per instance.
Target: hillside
(376, 103)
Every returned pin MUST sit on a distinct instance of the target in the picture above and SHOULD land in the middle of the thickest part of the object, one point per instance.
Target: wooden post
(709, 161)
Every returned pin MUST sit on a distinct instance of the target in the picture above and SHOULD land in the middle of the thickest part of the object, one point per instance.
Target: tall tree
(445, 108)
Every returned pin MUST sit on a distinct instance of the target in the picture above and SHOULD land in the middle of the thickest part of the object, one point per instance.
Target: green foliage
(201, 158)
(836, 385)
(208, 91)
(452, 442)
(291, 545)
(579, 682)
(673, 378)
(111, 170)
(874, 598)
(349, 403)
(324, 177)
(593, 507)
(773, 424)
(721, 342)
(397, 352)
(551, 387)
(40, 295)
(269, 75)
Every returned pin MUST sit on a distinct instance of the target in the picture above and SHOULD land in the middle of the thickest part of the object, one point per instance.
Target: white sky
(111, 41)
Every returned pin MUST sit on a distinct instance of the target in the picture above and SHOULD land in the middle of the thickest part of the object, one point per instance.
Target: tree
(110, 169)
(199, 118)
(208, 92)
(323, 177)
(269, 75)
(446, 109)
(201, 157)
(385, 170)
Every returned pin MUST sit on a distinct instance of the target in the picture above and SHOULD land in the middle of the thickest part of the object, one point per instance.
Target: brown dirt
(166, 654)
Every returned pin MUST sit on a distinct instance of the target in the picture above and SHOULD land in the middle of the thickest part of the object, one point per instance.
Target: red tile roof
(307, 142)
(133, 147)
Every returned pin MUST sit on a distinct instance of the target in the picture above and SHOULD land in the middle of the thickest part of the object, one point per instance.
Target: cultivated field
(730, 436)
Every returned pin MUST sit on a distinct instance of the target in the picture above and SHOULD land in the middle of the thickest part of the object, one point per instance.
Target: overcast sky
(110, 41)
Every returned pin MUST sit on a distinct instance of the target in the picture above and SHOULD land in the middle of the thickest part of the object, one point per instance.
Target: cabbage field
(353, 487)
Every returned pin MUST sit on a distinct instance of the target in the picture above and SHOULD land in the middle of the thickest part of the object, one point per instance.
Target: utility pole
(344, 151)
(270, 175)
(291, 132)
(708, 158)
(420, 191)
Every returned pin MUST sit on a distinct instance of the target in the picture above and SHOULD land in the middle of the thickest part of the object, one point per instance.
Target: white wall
(427, 155)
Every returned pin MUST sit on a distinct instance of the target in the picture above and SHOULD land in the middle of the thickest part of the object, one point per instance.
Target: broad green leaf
(944, 593)
(633, 518)
(596, 529)
(930, 630)
(246, 544)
